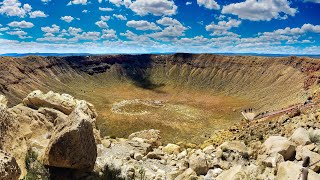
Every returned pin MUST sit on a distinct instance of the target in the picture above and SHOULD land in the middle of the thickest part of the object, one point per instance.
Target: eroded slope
(197, 91)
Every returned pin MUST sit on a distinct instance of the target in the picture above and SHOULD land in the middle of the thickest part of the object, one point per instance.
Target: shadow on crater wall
(134, 67)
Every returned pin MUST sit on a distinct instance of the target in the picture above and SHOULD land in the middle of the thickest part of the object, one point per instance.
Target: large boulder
(239, 172)
(151, 136)
(9, 168)
(213, 173)
(300, 137)
(289, 170)
(54, 116)
(235, 146)
(172, 149)
(72, 144)
(271, 160)
(198, 162)
(303, 152)
(278, 144)
(62, 102)
(187, 174)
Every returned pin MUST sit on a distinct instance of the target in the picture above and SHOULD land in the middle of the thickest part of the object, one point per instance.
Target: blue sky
(144, 26)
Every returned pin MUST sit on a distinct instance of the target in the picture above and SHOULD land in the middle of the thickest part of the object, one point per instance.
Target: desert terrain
(179, 112)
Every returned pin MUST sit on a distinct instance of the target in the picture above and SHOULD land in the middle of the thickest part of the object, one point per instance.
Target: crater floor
(181, 115)
(187, 97)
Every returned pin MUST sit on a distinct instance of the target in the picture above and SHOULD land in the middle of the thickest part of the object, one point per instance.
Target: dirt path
(299, 106)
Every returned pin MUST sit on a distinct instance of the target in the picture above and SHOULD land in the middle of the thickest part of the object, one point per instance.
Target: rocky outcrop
(72, 144)
(278, 144)
(43, 123)
(64, 103)
(9, 169)
(198, 162)
(290, 170)
(300, 137)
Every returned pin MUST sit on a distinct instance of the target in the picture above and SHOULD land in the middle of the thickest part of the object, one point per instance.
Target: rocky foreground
(54, 136)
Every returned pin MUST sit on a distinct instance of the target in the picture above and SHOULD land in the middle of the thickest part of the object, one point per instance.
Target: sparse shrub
(314, 138)
(142, 173)
(245, 156)
(35, 170)
(260, 137)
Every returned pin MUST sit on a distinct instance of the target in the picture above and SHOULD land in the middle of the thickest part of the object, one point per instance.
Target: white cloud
(83, 2)
(102, 24)
(155, 7)
(88, 36)
(209, 4)
(74, 31)
(141, 39)
(67, 19)
(18, 33)
(85, 11)
(99, 1)
(119, 16)
(222, 27)
(14, 8)
(306, 28)
(116, 2)
(188, 3)
(53, 29)
(36, 14)
(48, 35)
(109, 34)
(173, 30)
(45, 1)
(27, 7)
(52, 39)
(21, 34)
(105, 9)
(105, 18)
(262, 10)
(4, 29)
(166, 21)
(143, 25)
(21, 24)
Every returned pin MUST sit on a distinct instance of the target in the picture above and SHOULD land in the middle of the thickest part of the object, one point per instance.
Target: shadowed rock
(72, 144)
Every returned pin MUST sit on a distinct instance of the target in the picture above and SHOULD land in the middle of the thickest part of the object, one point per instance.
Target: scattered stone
(209, 149)
(303, 152)
(198, 162)
(151, 136)
(138, 156)
(278, 144)
(187, 174)
(239, 172)
(294, 113)
(290, 170)
(171, 149)
(300, 137)
(271, 160)
(213, 173)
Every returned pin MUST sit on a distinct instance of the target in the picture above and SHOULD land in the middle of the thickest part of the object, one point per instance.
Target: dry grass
(186, 115)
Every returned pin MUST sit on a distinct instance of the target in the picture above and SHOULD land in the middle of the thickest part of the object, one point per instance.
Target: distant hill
(164, 53)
